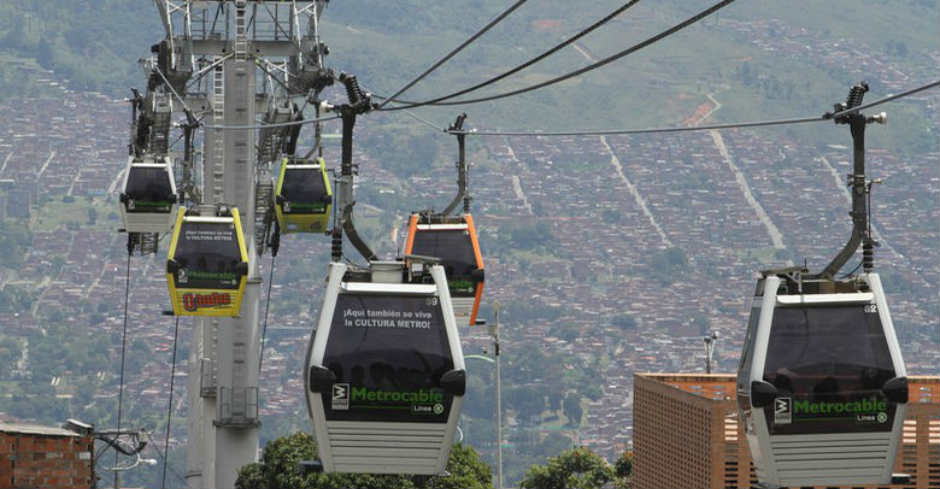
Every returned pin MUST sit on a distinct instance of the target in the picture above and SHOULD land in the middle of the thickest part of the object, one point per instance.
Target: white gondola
(385, 372)
(822, 387)
(148, 195)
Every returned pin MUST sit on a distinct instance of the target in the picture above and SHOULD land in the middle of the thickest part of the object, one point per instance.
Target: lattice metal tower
(224, 62)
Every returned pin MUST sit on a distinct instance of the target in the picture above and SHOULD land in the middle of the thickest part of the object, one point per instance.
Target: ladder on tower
(271, 139)
(162, 109)
(241, 30)
(264, 210)
(217, 163)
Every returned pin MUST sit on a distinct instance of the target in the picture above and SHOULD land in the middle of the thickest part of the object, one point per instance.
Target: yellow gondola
(303, 196)
(207, 265)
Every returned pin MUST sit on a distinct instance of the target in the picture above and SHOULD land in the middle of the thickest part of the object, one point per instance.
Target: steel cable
(127, 293)
(169, 412)
(519, 68)
(593, 66)
(456, 50)
(733, 125)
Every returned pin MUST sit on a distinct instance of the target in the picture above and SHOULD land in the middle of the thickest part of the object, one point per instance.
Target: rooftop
(921, 388)
(35, 429)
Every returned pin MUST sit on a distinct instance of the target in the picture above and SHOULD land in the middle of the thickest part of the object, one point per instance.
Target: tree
(280, 461)
(573, 410)
(465, 470)
(624, 321)
(623, 470)
(578, 468)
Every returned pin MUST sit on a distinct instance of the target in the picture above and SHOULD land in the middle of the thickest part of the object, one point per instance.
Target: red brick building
(686, 434)
(33, 456)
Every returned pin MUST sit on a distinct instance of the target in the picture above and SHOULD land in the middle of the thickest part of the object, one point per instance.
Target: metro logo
(192, 301)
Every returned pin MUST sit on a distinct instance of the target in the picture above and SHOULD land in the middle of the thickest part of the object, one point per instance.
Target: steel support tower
(225, 62)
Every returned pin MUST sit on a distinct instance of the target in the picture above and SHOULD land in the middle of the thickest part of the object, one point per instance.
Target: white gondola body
(375, 446)
(838, 457)
(140, 220)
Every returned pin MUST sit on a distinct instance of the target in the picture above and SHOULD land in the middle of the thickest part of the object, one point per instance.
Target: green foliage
(573, 409)
(668, 264)
(578, 468)
(16, 299)
(530, 235)
(280, 469)
(624, 322)
(528, 402)
(623, 467)
(465, 470)
(15, 240)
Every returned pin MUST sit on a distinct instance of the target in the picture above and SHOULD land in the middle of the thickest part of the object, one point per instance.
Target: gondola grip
(762, 393)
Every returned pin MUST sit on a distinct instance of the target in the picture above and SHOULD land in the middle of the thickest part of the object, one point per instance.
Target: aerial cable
(422, 120)
(267, 307)
(169, 412)
(607, 60)
(733, 125)
(165, 460)
(456, 50)
(521, 67)
(616, 132)
(127, 293)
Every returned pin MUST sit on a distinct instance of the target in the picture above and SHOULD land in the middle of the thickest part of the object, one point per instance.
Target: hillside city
(609, 255)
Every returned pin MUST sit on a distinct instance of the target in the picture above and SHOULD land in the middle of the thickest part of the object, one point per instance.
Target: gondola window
(388, 355)
(303, 190)
(455, 250)
(208, 256)
(149, 190)
(828, 364)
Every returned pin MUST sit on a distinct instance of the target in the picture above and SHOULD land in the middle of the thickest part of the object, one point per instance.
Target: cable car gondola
(821, 384)
(207, 265)
(385, 377)
(452, 239)
(148, 195)
(303, 196)
(822, 387)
